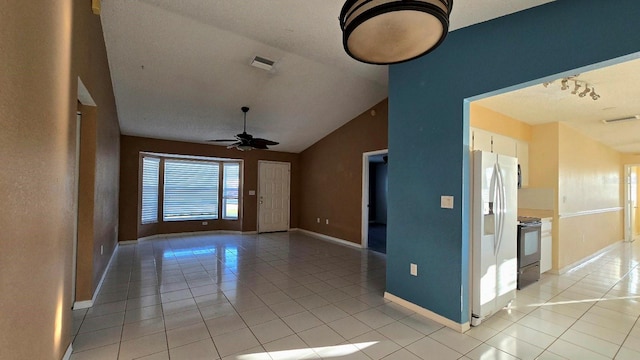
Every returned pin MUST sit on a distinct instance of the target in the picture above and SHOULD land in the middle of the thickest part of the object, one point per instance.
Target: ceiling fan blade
(234, 145)
(222, 140)
(264, 141)
(259, 146)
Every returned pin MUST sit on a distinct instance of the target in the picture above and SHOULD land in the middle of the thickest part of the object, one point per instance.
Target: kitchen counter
(545, 215)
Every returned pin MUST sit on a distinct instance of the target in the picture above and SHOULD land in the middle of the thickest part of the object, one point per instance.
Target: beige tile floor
(289, 296)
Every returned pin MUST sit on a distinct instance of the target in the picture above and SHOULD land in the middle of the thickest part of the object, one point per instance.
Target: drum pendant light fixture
(393, 31)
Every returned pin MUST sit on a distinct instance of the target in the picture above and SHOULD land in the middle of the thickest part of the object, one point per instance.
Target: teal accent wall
(428, 129)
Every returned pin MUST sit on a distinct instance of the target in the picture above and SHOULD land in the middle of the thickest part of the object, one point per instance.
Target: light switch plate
(414, 269)
(252, 192)
(446, 202)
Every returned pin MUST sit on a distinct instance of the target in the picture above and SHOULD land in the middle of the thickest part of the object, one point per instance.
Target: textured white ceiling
(619, 88)
(180, 69)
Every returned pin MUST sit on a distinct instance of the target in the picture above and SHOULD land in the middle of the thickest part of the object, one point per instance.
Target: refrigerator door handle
(502, 209)
(495, 188)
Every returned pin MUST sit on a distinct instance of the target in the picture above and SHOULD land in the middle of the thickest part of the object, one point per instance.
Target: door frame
(364, 240)
(76, 197)
(260, 162)
(629, 222)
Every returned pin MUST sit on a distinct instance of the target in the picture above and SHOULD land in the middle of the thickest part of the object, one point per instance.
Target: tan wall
(497, 123)
(100, 156)
(331, 175)
(589, 181)
(43, 50)
(37, 145)
(589, 173)
(130, 196)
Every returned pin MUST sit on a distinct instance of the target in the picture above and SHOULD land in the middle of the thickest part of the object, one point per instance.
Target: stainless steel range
(529, 235)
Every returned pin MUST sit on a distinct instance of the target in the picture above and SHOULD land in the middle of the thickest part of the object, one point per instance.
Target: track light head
(585, 92)
(576, 88)
(593, 94)
(564, 82)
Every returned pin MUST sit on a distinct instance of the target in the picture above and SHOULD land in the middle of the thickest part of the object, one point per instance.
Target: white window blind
(150, 176)
(230, 190)
(190, 190)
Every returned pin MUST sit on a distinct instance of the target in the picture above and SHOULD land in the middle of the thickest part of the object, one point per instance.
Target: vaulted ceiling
(181, 69)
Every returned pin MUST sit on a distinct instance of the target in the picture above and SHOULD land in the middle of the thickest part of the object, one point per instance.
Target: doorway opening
(374, 200)
(632, 197)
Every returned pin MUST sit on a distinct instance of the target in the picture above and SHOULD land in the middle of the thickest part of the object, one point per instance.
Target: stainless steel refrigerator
(494, 233)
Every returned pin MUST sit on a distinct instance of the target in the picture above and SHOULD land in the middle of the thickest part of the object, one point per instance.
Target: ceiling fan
(246, 142)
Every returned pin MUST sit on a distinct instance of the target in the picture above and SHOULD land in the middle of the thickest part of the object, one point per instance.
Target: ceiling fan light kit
(246, 142)
(393, 31)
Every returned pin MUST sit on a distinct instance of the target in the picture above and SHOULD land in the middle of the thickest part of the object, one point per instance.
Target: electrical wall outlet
(252, 192)
(327, 221)
(414, 269)
(318, 220)
(205, 223)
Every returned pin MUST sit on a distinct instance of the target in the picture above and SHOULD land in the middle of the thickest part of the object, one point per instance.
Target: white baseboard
(190, 233)
(586, 259)
(330, 238)
(128, 242)
(428, 313)
(85, 304)
(67, 354)
(89, 303)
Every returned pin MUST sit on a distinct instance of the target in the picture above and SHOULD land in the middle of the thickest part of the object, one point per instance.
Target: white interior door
(273, 196)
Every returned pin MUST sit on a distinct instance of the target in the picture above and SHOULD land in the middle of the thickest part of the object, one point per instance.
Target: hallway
(289, 296)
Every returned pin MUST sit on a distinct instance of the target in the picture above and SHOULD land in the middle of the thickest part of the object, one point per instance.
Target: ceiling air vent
(262, 63)
(628, 118)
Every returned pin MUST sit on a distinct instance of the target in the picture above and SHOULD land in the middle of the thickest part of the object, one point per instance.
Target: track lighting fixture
(577, 85)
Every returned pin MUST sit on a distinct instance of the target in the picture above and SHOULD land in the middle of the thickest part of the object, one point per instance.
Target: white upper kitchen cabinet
(481, 140)
(505, 145)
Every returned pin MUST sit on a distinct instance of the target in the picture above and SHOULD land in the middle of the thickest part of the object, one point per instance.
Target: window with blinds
(190, 190)
(230, 190)
(150, 177)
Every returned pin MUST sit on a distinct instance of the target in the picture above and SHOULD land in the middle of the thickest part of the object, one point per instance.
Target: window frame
(158, 161)
(161, 186)
(224, 192)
